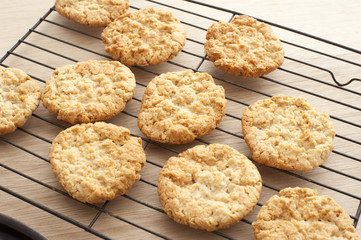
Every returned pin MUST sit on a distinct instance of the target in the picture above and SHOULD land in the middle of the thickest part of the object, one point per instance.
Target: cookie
(244, 47)
(19, 98)
(88, 91)
(300, 213)
(95, 162)
(288, 133)
(178, 107)
(144, 37)
(209, 187)
(93, 13)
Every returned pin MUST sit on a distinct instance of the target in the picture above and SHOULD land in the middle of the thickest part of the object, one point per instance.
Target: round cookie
(144, 37)
(178, 107)
(244, 47)
(95, 162)
(209, 187)
(19, 98)
(88, 91)
(300, 213)
(288, 133)
(93, 13)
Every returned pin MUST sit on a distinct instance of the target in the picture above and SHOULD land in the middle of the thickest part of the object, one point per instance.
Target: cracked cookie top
(93, 13)
(209, 187)
(178, 107)
(95, 162)
(144, 37)
(244, 47)
(88, 91)
(19, 98)
(288, 133)
(300, 213)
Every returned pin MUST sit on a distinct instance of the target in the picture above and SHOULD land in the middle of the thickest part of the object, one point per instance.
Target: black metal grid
(342, 87)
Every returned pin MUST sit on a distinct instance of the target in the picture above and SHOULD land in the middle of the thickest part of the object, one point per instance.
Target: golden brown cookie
(19, 98)
(93, 13)
(178, 107)
(209, 187)
(88, 91)
(300, 213)
(244, 47)
(95, 162)
(288, 133)
(144, 37)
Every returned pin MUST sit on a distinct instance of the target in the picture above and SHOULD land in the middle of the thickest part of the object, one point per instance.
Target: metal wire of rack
(54, 29)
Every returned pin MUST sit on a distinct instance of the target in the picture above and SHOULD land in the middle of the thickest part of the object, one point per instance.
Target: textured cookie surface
(209, 187)
(88, 91)
(95, 162)
(288, 133)
(144, 37)
(244, 47)
(178, 107)
(93, 13)
(300, 213)
(19, 98)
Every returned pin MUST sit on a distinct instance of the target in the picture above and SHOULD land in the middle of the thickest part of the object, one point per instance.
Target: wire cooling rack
(322, 71)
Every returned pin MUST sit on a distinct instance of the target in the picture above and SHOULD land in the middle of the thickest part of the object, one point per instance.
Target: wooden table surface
(30, 192)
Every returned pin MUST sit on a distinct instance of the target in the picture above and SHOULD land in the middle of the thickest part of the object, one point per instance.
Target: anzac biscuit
(88, 91)
(300, 213)
(209, 187)
(288, 133)
(178, 107)
(93, 13)
(244, 47)
(19, 98)
(144, 37)
(95, 162)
